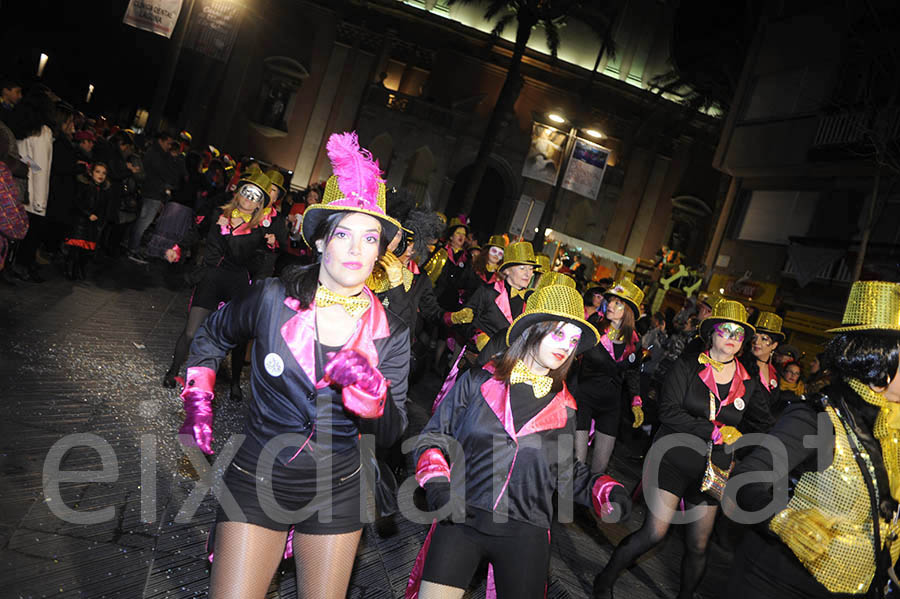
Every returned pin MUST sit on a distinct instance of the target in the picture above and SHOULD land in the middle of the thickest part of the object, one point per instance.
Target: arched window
(282, 77)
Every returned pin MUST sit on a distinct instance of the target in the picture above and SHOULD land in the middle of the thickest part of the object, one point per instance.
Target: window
(773, 216)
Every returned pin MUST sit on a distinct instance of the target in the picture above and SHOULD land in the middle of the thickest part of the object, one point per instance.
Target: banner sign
(155, 16)
(587, 165)
(545, 154)
(527, 216)
(214, 28)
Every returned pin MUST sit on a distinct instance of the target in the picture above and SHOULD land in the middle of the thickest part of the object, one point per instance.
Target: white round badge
(739, 403)
(773, 383)
(631, 358)
(274, 364)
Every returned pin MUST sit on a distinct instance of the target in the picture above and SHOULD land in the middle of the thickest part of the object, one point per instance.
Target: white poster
(545, 154)
(155, 16)
(587, 165)
(526, 219)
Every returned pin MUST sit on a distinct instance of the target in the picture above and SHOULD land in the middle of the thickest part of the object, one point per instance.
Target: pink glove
(636, 401)
(717, 435)
(364, 388)
(198, 414)
(608, 496)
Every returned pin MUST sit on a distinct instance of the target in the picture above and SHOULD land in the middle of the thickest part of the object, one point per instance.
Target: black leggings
(520, 562)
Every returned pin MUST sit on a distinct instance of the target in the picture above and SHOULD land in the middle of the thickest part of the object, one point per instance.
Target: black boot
(601, 591)
(169, 378)
(236, 395)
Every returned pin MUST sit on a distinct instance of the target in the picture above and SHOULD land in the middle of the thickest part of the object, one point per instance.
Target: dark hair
(627, 329)
(792, 363)
(870, 358)
(479, 265)
(426, 226)
(33, 112)
(7, 82)
(588, 295)
(122, 138)
(527, 344)
(301, 282)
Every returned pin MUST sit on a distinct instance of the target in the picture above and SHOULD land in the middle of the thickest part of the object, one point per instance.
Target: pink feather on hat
(357, 172)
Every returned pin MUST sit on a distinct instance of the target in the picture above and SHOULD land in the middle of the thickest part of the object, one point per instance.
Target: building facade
(418, 80)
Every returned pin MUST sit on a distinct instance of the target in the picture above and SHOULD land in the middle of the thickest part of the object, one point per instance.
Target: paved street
(88, 358)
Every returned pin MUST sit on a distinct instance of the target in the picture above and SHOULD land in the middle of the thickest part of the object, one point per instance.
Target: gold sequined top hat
(455, 223)
(726, 311)
(555, 278)
(629, 293)
(518, 252)
(556, 303)
(256, 178)
(770, 324)
(276, 178)
(543, 261)
(496, 241)
(872, 306)
(355, 186)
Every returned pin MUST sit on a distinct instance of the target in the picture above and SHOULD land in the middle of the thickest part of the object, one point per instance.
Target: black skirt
(317, 492)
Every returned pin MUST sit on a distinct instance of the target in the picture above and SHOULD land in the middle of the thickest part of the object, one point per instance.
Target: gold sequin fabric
(435, 265)
(355, 305)
(828, 521)
(872, 305)
(886, 430)
(540, 384)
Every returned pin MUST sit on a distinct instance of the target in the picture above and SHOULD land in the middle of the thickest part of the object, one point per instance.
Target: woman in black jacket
(706, 401)
(606, 371)
(88, 217)
(329, 365)
(242, 226)
(828, 527)
(494, 454)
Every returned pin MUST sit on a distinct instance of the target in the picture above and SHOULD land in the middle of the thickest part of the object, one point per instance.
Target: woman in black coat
(608, 370)
(705, 402)
(493, 456)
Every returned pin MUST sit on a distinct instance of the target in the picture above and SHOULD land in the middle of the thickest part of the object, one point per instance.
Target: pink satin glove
(717, 435)
(198, 415)
(364, 388)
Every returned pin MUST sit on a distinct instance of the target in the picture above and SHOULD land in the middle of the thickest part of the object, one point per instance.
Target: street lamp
(556, 118)
(42, 63)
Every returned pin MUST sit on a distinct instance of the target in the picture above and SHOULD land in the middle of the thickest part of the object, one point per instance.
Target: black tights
(196, 317)
(656, 525)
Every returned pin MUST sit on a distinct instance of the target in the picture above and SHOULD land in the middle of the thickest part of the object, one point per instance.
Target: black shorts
(218, 286)
(606, 412)
(520, 562)
(331, 503)
(681, 473)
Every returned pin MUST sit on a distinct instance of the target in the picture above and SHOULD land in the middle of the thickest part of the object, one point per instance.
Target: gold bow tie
(513, 292)
(238, 213)
(718, 366)
(613, 334)
(540, 384)
(355, 306)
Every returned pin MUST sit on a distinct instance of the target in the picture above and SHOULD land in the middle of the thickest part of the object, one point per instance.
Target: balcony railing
(852, 127)
(836, 272)
(413, 106)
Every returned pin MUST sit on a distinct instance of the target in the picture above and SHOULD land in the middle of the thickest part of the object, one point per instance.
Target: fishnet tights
(246, 557)
(656, 525)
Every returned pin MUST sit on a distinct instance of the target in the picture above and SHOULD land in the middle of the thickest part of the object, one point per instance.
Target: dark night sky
(87, 43)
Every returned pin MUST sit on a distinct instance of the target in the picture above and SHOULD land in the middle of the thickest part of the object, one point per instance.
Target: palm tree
(527, 14)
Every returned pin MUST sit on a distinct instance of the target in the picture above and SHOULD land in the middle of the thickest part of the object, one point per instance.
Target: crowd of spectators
(72, 187)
